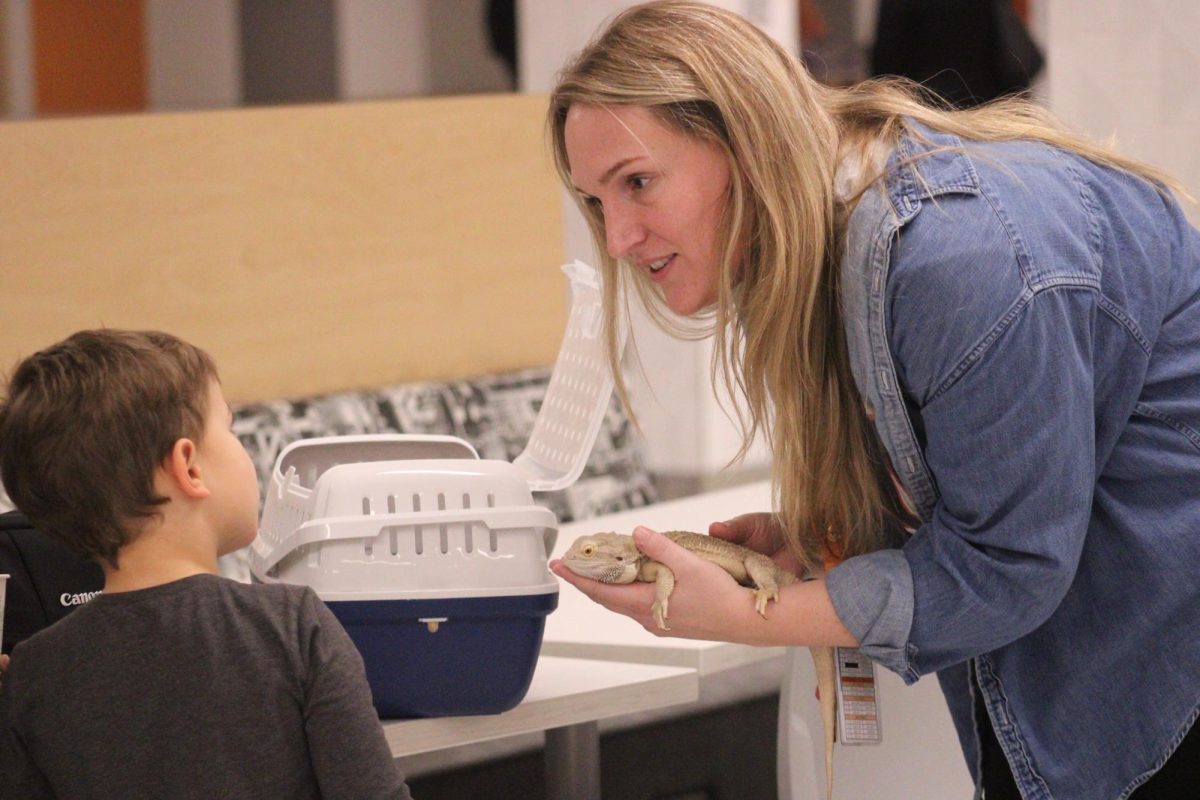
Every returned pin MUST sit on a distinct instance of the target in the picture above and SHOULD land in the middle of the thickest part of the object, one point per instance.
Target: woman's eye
(637, 181)
(592, 202)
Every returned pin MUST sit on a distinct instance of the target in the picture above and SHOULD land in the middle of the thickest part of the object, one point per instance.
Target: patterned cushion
(495, 413)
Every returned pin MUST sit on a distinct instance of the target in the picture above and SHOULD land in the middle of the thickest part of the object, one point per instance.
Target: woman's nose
(623, 232)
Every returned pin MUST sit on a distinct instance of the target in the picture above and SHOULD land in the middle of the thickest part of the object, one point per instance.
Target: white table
(566, 699)
(583, 629)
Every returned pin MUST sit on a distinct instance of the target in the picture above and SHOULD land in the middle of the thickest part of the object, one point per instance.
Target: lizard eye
(620, 558)
(588, 549)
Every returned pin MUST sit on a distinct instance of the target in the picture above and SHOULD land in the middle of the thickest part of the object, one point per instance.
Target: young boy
(175, 682)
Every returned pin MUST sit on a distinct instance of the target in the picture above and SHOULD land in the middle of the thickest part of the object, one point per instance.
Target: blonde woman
(973, 342)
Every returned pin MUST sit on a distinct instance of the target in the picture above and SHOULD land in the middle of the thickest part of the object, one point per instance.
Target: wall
(382, 48)
(193, 55)
(289, 51)
(1129, 70)
(460, 60)
(88, 56)
(203, 55)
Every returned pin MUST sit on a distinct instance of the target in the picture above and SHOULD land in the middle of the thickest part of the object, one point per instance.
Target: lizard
(614, 558)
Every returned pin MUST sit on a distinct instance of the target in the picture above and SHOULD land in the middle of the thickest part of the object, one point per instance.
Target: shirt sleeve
(350, 755)
(1010, 442)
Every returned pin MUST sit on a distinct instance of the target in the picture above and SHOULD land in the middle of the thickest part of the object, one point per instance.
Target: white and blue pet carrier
(433, 559)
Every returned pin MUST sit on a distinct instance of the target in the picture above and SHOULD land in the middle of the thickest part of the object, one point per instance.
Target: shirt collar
(926, 164)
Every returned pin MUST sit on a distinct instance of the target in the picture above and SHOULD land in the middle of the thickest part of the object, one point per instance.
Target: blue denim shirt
(1026, 326)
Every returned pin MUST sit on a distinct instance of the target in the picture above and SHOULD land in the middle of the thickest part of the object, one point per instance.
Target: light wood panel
(309, 249)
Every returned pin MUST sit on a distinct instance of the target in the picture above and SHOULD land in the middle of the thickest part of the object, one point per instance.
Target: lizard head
(605, 557)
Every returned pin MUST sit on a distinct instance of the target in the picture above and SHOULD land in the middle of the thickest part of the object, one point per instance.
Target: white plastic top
(401, 515)
(579, 391)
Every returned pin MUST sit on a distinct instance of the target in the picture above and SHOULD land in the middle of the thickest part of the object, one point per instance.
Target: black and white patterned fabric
(495, 413)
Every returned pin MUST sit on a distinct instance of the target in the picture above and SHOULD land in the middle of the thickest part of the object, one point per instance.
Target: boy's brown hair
(86, 422)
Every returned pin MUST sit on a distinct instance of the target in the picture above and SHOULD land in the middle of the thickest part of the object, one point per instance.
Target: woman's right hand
(759, 531)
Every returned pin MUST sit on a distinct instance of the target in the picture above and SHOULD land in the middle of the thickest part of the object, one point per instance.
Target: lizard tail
(823, 661)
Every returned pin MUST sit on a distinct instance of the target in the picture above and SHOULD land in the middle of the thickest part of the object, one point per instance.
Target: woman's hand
(759, 531)
(706, 602)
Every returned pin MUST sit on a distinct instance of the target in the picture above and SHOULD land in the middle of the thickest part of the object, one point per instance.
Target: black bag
(1018, 57)
(46, 580)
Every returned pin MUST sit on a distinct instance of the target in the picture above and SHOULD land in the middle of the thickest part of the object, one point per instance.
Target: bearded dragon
(614, 558)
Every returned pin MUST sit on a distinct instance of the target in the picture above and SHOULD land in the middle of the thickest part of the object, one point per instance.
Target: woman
(973, 341)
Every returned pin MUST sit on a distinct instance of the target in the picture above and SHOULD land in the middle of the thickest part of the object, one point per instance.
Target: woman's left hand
(706, 602)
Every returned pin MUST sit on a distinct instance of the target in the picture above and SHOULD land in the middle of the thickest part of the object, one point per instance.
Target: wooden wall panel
(89, 56)
(310, 249)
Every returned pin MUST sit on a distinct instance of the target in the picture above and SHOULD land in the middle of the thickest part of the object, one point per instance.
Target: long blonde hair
(780, 343)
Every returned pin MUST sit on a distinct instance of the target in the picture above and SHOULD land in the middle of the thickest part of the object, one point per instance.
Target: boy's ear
(182, 468)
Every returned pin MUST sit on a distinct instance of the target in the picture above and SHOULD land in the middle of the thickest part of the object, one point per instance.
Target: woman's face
(661, 193)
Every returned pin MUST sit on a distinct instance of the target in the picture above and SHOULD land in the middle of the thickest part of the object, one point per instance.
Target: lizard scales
(614, 558)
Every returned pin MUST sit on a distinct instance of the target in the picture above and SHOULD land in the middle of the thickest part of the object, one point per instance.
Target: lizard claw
(660, 613)
(762, 597)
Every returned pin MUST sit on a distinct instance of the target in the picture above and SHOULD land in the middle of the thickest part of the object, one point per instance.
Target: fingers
(631, 599)
(723, 530)
(663, 550)
(679, 560)
(744, 529)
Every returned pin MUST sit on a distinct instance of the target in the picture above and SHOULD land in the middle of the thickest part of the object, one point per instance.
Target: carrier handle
(363, 527)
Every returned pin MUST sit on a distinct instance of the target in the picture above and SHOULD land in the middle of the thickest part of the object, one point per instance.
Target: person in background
(501, 23)
(972, 341)
(174, 682)
(965, 52)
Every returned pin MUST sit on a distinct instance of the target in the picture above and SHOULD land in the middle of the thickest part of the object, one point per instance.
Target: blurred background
(1109, 68)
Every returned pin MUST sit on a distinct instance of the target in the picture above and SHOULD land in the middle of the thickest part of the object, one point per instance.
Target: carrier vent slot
(366, 506)
(468, 528)
(391, 504)
(443, 535)
(369, 548)
(418, 539)
(394, 540)
(493, 540)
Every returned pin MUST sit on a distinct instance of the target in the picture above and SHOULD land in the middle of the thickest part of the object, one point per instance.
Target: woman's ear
(182, 469)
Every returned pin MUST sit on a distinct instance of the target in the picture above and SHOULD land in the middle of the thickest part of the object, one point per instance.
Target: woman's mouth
(660, 264)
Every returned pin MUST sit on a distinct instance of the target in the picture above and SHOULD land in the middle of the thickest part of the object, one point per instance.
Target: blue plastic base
(480, 660)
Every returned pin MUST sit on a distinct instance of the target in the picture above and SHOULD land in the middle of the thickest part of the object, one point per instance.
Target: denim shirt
(1026, 326)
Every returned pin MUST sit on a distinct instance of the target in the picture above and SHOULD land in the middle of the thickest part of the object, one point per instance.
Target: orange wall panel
(89, 56)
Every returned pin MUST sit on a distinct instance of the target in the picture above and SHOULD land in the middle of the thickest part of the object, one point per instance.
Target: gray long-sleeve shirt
(199, 688)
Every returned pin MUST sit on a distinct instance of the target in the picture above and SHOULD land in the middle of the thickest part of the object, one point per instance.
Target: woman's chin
(687, 305)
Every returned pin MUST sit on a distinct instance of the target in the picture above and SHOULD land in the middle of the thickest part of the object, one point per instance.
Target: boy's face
(230, 476)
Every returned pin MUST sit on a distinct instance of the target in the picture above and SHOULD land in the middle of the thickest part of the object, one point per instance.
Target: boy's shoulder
(200, 595)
